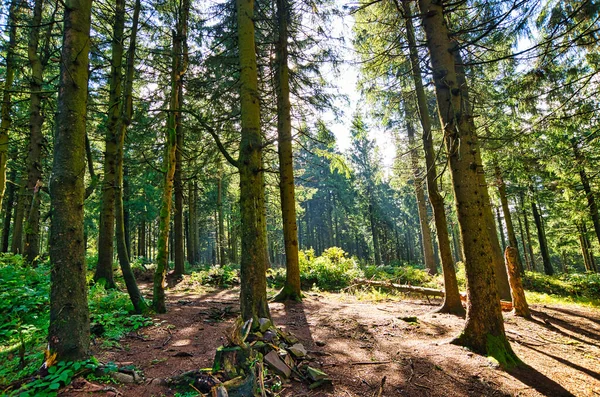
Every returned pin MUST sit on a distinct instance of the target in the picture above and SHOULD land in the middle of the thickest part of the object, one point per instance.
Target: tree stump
(520, 306)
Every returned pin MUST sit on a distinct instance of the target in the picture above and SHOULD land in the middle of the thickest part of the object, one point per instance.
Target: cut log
(506, 306)
(400, 287)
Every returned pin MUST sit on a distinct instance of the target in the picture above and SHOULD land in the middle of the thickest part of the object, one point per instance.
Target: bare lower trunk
(516, 284)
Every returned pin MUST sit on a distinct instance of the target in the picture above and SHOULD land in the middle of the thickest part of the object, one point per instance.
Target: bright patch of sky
(347, 85)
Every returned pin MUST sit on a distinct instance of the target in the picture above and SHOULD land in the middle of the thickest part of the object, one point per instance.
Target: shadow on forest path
(358, 343)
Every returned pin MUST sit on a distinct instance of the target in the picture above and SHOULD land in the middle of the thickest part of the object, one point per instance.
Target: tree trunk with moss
(9, 75)
(452, 302)
(254, 260)
(16, 244)
(31, 247)
(106, 232)
(291, 289)
(484, 328)
(69, 330)
(126, 112)
(179, 63)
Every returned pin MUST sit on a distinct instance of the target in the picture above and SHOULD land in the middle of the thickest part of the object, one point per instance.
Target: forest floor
(358, 342)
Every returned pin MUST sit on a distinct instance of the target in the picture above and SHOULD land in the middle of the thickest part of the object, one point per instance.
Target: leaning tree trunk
(9, 75)
(69, 330)
(484, 327)
(291, 290)
(591, 198)
(452, 303)
(126, 111)
(254, 261)
(428, 255)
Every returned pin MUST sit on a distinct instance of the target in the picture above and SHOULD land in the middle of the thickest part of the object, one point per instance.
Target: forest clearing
(234, 198)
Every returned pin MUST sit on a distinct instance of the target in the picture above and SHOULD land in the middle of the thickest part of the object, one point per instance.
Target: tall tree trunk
(221, 219)
(452, 303)
(591, 199)
(484, 327)
(178, 186)
(420, 195)
(9, 75)
(191, 224)
(126, 112)
(34, 154)
(69, 330)
(106, 232)
(16, 244)
(374, 232)
(527, 232)
(291, 290)
(253, 295)
(8, 208)
(510, 229)
(525, 250)
(500, 228)
(124, 182)
(537, 217)
(178, 69)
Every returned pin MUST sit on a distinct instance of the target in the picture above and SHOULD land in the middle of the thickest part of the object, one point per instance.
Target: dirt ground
(358, 343)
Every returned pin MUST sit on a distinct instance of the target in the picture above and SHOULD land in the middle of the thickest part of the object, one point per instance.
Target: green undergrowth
(24, 310)
(573, 286)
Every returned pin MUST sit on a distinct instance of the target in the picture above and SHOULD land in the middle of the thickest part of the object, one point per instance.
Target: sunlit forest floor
(358, 339)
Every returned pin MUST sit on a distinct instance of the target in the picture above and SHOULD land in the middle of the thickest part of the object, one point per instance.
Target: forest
(299, 198)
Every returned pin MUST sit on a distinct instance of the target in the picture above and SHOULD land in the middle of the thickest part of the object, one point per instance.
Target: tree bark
(254, 260)
(510, 229)
(291, 290)
(591, 199)
(548, 269)
(178, 186)
(9, 75)
(374, 232)
(221, 220)
(428, 256)
(527, 232)
(106, 232)
(16, 244)
(69, 330)
(484, 327)
(519, 302)
(31, 248)
(452, 303)
(179, 66)
(500, 228)
(126, 112)
(8, 208)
